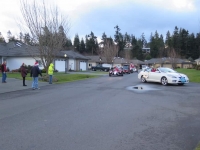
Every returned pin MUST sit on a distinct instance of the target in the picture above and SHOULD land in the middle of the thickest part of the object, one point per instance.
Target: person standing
(50, 72)
(35, 72)
(3, 70)
(23, 73)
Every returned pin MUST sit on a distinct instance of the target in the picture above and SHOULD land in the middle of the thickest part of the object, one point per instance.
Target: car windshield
(167, 70)
(147, 69)
(125, 67)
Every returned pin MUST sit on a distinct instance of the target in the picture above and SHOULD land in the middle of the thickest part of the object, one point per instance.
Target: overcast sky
(132, 16)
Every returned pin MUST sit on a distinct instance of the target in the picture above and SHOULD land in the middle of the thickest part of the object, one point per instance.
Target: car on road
(163, 75)
(116, 72)
(126, 69)
(101, 67)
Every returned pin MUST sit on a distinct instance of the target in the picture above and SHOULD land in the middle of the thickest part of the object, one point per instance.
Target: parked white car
(163, 75)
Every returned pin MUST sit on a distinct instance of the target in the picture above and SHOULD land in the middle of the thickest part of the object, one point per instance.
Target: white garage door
(83, 66)
(60, 65)
(71, 64)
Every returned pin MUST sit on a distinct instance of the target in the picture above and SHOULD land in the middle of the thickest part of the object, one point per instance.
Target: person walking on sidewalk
(35, 72)
(50, 72)
(3, 70)
(23, 73)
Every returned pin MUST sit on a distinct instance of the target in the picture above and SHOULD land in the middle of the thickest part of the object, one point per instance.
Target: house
(197, 61)
(146, 50)
(16, 53)
(169, 62)
(117, 61)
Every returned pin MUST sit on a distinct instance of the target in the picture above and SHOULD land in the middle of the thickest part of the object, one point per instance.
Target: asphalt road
(105, 113)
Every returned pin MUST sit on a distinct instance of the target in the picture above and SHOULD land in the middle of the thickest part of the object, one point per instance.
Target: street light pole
(65, 63)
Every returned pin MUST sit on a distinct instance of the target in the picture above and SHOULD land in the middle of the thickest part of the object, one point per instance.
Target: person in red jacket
(23, 73)
(3, 70)
(153, 70)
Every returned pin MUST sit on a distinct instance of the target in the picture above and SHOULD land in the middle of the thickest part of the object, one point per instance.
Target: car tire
(109, 74)
(164, 81)
(122, 74)
(143, 79)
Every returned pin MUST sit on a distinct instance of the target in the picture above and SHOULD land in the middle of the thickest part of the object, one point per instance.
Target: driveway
(105, 113)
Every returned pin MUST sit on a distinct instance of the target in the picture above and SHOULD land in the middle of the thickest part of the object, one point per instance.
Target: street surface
(105, 113)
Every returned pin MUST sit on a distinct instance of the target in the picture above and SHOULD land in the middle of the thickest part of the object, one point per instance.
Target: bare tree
(127, 55)
(109, 50)
(46, 26)
(173, 57)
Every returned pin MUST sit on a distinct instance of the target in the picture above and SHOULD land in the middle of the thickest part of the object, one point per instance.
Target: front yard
(61, 77)
(193, 74)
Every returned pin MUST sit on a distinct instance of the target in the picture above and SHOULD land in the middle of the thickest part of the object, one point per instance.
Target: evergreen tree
(92, 43)
(63, 36)
(68, 43)
(77, 43)
(168, 41)
(137, 48)
(2, 40)
(10, 36)
(192, 51)
(153, 45)
(119, 39)
(82, 46)
(176, 40)
(183, 41)
(144, 42)
(104, 37)
(197, 46)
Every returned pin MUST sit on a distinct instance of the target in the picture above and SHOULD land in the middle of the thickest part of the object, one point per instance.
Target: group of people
(35, 72)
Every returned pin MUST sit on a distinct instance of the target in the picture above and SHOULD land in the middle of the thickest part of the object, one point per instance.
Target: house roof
(136, 61)
(167, 60)
(197, 59)
(116, 60)
(16, 49)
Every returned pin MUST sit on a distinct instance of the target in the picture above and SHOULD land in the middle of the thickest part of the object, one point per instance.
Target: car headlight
(171, 76)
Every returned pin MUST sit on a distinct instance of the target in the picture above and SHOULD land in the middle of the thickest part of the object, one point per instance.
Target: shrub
(198, 67)
(16, 70)
(46, 78)
(43, 71)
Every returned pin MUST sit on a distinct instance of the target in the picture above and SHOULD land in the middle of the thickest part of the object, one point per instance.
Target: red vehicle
(132, 68)
(116, 71)
(126, 69)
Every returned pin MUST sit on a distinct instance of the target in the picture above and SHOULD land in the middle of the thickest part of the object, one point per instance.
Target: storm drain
(141, 88)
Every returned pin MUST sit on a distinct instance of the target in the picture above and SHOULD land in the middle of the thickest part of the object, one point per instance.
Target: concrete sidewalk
(17, 84)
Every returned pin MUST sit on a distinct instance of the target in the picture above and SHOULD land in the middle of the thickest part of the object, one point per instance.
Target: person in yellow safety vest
(50, 72)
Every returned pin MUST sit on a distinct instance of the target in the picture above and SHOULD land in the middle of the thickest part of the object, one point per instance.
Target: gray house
(117, 61)
(169, 62)
(16, 53)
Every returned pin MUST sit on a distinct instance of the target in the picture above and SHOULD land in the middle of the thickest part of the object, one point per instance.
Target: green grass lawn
(62, 77)
(193, 74)
(198, 147)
